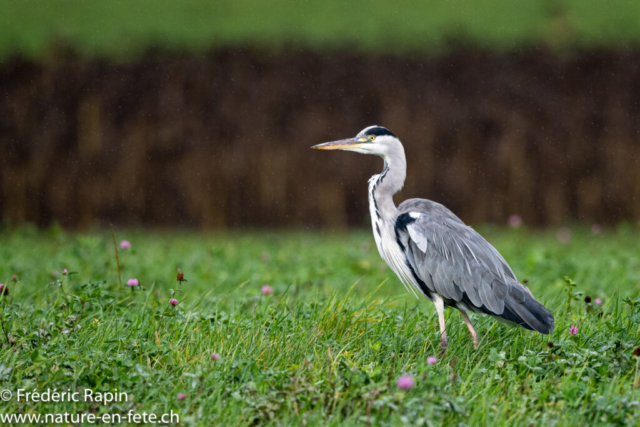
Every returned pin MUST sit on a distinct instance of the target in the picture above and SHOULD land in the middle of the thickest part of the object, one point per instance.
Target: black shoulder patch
(401, 227)
(378, 131)
(403, 220)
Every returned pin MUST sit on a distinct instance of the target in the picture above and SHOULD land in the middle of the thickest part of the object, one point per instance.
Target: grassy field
(120, 29)
(326, 347)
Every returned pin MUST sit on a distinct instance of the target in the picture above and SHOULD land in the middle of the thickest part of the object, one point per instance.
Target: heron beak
(343, 144)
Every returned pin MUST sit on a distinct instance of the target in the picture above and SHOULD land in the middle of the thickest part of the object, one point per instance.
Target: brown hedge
(223, 139)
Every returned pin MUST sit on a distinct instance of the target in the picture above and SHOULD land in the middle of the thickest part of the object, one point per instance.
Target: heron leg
(474, 334)
(439, 303)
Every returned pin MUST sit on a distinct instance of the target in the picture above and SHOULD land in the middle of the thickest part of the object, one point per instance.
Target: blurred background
(200, 114)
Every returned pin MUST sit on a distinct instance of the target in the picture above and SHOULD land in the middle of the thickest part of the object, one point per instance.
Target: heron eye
(372, 137)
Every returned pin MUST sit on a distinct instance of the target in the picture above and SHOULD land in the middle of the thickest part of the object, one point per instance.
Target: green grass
(327, 346)
(121, 29)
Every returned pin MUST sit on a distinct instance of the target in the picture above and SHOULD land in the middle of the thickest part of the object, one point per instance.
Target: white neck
(382, 187)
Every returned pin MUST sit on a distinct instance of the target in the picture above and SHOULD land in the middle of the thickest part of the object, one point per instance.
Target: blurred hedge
(223, 139)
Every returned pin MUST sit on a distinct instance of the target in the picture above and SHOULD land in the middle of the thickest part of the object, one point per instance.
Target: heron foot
(472, 330)
(476, 342)
(444, 343)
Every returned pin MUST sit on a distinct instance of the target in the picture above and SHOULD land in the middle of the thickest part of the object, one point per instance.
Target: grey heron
(434, 253)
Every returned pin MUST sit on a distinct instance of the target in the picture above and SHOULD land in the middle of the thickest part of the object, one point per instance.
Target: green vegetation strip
(324, 343)
(121, 29)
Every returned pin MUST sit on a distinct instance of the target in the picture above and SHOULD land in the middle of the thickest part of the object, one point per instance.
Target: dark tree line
(222, 139)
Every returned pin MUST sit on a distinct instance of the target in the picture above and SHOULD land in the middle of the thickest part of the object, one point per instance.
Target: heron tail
(529, 314)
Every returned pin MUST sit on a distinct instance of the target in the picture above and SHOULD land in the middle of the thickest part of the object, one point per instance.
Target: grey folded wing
(454, 261)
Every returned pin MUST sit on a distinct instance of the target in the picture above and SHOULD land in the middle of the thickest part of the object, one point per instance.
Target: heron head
(371, 140)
